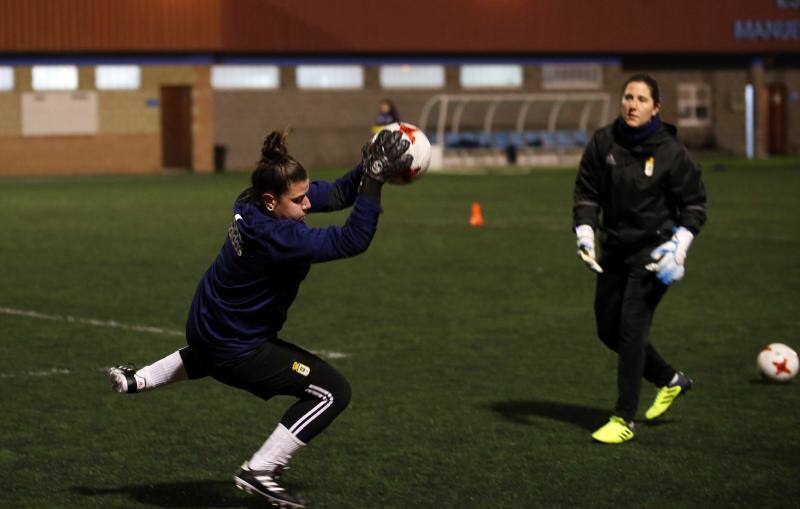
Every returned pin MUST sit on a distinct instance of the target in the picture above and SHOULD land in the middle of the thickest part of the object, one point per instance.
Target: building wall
(329, 127)
(790, 77)
(129, 132)
(363, 26)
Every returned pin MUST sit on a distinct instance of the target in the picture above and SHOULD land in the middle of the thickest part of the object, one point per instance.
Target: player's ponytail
(274, 147)
(275, 171)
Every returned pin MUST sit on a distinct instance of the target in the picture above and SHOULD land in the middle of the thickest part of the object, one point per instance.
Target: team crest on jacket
(610, 160)
(648, 166)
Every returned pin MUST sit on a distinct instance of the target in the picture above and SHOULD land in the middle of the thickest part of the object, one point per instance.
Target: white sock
(276, 451)
(164, 371)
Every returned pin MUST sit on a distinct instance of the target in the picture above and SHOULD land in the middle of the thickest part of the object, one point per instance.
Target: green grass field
(476, 373)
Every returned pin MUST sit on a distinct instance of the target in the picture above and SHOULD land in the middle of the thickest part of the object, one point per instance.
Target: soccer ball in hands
(419, 148)
(778, 362)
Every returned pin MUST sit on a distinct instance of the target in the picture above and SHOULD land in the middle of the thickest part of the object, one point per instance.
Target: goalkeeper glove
(385, 157)
(585, 238)
(670, 256)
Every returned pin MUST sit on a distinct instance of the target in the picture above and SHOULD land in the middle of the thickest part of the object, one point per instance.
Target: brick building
(93, 86)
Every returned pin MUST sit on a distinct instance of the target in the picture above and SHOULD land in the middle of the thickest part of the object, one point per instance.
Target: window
(55, 77)
(117, 77)
(491, 76)
(231, 77)
(6, 78)
(330, 76)
(694, 104)
(572, 76)
(412, 76)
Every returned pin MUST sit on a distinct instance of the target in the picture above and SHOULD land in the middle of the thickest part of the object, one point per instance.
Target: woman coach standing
(243, 299)
(637, 183)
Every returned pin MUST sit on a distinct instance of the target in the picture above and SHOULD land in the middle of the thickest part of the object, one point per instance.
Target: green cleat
(615, 431)
(666, 395)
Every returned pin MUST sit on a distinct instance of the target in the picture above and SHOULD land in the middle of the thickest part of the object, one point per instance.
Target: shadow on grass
(198, 494)
(521, 412)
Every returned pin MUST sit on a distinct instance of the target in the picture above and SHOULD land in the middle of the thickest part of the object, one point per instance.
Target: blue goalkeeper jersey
(243, 298)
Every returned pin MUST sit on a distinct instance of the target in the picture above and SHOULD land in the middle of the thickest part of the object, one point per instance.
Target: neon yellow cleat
(666, 395)
(615, 431)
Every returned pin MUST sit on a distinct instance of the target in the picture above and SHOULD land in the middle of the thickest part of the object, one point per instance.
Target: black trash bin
(220, 151)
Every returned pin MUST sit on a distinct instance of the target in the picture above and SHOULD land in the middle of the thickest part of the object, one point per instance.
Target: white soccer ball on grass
(778, 362)
(419, 148)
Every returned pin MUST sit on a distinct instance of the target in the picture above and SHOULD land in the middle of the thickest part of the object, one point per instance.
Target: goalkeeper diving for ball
(637, 183)
(242, 300)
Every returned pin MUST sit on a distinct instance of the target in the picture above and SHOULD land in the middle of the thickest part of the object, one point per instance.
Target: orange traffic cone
(476, 218)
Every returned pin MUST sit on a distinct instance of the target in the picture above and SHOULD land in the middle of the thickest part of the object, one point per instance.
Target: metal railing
(594, 112)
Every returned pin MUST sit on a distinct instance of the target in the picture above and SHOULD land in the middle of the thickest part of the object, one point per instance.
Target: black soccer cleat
(264, 482)
(123, 379)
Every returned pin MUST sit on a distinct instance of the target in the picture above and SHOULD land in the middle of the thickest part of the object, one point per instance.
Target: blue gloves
(585, 237)
(670, 256)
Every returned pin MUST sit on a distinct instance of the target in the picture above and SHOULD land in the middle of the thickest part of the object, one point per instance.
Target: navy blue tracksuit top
(243, 298)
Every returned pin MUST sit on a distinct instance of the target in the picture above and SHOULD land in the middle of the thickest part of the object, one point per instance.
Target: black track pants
(625, 302)
(282, 368)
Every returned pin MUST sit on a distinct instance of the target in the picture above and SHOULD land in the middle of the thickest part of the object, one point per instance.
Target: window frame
(693, 103)
(438, 83)
(555, 76)
(116, 83)
(483, 69)
(73, 76)
(218, 81)
(318, 86)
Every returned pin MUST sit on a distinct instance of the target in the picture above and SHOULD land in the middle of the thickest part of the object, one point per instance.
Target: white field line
(329, 354)
(89, 321)
(46, 372)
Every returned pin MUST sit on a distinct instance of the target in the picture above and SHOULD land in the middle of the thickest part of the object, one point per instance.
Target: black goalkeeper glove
(385, 157)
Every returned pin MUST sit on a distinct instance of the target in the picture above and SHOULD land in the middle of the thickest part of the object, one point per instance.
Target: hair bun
(274, 148)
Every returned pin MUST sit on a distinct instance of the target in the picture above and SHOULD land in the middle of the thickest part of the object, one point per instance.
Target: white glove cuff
(684, 238)
(585, 232)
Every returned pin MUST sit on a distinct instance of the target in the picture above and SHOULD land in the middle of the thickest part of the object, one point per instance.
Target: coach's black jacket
(638, 193)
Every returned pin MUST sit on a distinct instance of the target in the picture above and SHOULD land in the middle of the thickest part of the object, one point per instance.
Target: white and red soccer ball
(778, 362)
(419, 148)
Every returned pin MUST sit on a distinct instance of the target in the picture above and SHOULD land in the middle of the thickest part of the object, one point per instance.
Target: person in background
(387, 114)
(638, 185)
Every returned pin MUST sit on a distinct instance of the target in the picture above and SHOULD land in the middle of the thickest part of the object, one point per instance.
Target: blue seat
(452, 140)
(517, 139)
(549, 139)
(533, 138)
(501, 139)
(469, 140)
(581, 137)
(564, 139)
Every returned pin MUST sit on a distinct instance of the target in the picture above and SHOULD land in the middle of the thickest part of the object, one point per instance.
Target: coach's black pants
(625, 301)
(282, 368)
